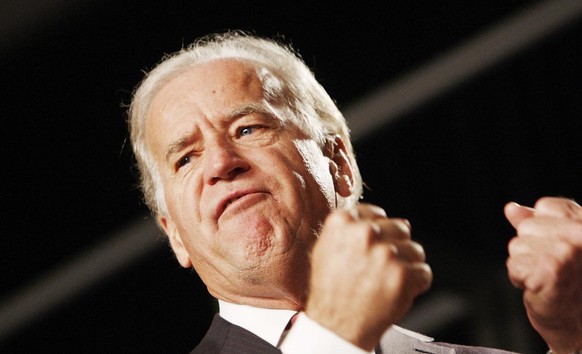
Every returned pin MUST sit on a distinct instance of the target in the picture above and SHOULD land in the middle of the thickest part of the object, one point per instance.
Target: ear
(175, 241)
(340, 167)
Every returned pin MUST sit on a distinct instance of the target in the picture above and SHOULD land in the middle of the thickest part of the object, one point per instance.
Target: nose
(223, 162)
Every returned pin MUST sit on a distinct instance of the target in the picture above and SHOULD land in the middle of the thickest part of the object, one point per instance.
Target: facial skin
(245, 193)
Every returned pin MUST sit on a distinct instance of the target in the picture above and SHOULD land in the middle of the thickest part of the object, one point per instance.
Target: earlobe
(341, 168)
(175, 241)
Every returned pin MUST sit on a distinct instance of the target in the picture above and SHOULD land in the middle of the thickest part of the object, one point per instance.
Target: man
(247, 165)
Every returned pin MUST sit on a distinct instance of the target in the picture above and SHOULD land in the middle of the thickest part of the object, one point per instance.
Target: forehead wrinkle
(247, 80)
(242, 110)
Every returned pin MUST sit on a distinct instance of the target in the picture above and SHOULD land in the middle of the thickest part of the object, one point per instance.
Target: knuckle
(567, 254)
(510, 263)
(427, 278)
(514, 245)
(400, 228)
(391, 252)
(419, 253)
(403, 224)
(366, 232)
(369, 230)
(375, 210)
(545, 203)
(528, 227)
(564, 207)
(338, 218)
(573, 210)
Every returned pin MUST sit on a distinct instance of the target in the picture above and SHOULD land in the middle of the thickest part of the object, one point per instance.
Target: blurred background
(457, 107)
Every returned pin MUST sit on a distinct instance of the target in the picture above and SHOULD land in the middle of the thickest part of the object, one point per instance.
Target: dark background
(68, 68)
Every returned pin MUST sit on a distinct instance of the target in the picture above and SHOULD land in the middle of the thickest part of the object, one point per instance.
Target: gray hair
(286, 80)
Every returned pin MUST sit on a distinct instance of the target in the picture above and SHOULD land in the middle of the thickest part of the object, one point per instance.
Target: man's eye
(246, 131)
(254, 134)
(183, 161)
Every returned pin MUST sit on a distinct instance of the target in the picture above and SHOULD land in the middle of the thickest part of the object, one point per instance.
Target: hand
(366, 272)
(545, 260)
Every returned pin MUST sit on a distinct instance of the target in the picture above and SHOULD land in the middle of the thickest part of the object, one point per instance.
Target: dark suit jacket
(224, 337)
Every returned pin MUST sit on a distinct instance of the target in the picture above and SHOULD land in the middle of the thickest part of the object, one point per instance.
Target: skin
(212, 145)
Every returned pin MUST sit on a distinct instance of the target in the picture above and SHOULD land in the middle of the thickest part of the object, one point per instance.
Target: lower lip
(243, 203)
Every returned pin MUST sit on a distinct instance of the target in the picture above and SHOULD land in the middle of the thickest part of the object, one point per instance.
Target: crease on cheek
(309, 151)
(301, 179)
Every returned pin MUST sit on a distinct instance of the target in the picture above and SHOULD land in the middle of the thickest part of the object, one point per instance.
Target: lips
(233, 198)
(229, 202)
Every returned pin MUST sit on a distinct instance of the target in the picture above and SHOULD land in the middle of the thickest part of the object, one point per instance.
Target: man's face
(245, 193)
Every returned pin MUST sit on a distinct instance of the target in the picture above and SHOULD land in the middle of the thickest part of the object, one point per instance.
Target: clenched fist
(366, 272)
(545, 260)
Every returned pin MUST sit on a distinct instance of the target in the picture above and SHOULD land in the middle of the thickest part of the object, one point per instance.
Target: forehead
(206, 91)
(209, 86)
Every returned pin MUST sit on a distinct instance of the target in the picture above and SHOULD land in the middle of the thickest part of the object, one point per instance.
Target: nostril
(238, 170)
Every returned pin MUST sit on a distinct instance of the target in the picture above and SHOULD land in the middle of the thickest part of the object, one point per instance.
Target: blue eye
(246, 131)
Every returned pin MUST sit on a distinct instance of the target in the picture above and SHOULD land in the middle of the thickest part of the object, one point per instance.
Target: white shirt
(268, 324)
(305, 337)
(308, 337)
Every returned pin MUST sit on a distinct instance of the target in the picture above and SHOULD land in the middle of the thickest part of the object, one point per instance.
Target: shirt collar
(268, 324)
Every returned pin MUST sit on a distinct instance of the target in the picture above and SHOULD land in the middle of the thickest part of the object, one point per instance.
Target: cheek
(317, 167)
(183, 201)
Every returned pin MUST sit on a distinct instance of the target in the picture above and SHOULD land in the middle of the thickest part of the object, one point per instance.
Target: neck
(271, 300)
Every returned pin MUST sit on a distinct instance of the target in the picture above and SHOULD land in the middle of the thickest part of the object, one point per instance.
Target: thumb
(516, 213)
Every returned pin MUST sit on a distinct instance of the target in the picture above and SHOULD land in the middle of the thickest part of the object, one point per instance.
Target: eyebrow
(249, 108)
(245, 109)
(176, 146)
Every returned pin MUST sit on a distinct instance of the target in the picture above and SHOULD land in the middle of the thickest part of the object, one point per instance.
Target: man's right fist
(365, 273)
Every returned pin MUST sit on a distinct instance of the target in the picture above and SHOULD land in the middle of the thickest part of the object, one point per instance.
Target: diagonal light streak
(462, 63)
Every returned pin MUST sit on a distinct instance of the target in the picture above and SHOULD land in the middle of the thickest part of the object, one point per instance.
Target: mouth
(235, 198)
